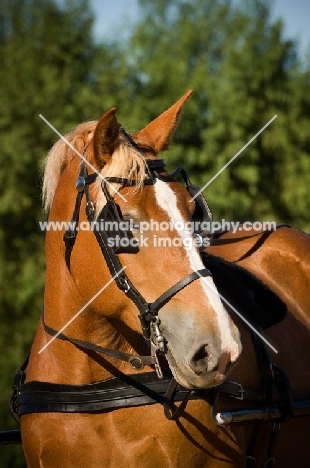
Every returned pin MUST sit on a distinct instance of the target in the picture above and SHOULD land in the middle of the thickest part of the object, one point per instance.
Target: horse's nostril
(200, 360)
(201, 353)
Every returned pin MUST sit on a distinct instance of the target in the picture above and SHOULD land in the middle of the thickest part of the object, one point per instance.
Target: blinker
(202, 213)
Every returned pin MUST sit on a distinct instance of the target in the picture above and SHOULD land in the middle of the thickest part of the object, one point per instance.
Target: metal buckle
(126, 290)
(199, 238)
(90, 209)
(136, 362)
(241, 392)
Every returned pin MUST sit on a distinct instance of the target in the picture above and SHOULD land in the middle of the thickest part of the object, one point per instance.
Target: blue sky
(294, 13)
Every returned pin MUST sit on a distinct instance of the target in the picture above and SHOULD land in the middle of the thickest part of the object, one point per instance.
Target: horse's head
(187, 319)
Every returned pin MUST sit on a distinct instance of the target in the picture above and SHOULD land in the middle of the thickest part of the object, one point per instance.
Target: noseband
(148, 312)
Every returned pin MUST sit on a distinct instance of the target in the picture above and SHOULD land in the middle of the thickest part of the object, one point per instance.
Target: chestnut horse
(93, 297)
(85, 302)
(281, 260)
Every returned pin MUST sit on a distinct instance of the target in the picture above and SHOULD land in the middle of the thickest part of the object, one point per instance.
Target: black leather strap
(170, 398)
(83, 181)
(136, 362)
(139, 389)
(12, 437)
(128, 390)
(166, 296)
(18, 381)
(217, 240)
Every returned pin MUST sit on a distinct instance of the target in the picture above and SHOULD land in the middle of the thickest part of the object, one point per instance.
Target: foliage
(45, 52)
(242, 71)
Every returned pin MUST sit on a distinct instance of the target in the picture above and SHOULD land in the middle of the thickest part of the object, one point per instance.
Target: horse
(280, 258)
(113, 309)
(116, 303)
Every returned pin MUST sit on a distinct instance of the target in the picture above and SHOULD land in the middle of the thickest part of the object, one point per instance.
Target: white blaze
(167, 200)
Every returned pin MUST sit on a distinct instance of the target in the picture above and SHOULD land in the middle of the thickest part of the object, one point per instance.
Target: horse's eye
(132, 221)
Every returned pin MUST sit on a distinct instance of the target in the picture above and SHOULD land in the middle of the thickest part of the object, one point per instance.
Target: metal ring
(199, 236)
(136, 362)
(80, 184)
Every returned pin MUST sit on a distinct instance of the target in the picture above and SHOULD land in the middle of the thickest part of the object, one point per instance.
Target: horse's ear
(157, 134)
(106, 137)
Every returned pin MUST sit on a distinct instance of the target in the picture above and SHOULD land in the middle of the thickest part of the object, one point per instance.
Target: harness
(148, 387)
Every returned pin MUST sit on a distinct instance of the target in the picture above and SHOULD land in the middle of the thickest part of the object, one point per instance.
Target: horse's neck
(57, 360)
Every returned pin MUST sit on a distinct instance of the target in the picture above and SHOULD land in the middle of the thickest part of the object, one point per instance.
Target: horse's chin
(189, 379)
(198, 382)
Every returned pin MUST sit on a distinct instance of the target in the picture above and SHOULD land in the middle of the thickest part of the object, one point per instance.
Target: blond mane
(126, 162)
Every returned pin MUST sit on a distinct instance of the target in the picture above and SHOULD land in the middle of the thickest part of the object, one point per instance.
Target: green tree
(243, 72)
(48, 66)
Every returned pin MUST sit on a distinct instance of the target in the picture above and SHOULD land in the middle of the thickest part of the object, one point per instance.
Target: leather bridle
(148, 312)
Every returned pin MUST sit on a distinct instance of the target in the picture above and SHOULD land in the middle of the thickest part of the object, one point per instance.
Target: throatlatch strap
(136, 362)
(69, 237)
